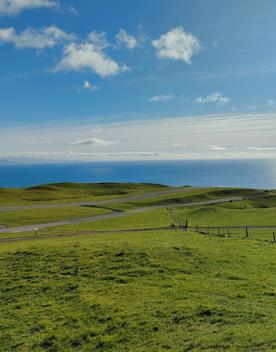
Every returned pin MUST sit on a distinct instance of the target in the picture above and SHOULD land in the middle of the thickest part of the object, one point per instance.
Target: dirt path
(30, 228)
(99, 202)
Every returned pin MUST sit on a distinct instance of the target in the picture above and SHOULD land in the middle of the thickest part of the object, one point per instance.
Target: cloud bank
(195, 137)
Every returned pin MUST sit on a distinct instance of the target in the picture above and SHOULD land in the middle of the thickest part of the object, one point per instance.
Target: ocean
(236, 173)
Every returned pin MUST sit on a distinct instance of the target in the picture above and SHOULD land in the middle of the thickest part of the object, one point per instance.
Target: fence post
(246, 232)
(186, 225)
(274, 238)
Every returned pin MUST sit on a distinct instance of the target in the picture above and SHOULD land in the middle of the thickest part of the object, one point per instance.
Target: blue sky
(78, 77)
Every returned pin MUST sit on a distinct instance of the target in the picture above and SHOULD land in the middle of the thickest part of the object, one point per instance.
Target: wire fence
(263, 233)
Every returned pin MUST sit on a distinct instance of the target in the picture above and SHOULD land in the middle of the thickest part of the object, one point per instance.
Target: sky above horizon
(147, 79)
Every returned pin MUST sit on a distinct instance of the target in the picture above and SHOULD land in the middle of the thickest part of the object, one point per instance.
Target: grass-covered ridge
(72, 192)
(158, 291)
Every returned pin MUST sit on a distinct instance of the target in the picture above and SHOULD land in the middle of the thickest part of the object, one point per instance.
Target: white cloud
(216, 147)
(123, 38)
(98, 39)
(261, 148)
(46, 37)
(13, 7)
(89, 86)
(96, 142)
(89, 57)
(161, 98)
(215, 97)
(242, 148)
(270, 102)
(177, 44)
(78, 56)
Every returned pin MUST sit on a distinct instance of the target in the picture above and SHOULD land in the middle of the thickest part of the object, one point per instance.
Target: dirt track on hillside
(31, 228)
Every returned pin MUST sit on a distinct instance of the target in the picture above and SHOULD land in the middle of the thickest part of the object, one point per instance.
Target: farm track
(30, 228)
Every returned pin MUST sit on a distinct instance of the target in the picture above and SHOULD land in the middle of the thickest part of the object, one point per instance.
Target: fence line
(243, 231)
(246, 232)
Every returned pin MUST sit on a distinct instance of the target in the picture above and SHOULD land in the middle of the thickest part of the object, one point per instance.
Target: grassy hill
(72, 192)
(158, 290)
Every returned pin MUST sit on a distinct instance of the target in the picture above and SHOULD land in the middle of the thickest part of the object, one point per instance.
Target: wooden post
(246, 232)
(169, 211)
(186, 225)
(274, 238)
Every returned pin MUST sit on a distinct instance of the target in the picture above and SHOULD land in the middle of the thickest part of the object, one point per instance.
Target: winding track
(30, 228)
(99, 202)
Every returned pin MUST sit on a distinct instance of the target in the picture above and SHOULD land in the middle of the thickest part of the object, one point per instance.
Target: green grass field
(159, 290)
(40, 216)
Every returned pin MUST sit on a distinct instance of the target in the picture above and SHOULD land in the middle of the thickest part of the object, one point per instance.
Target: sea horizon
(247, 173)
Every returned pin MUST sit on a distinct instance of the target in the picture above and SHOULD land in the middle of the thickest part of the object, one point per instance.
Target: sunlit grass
(138, 292)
